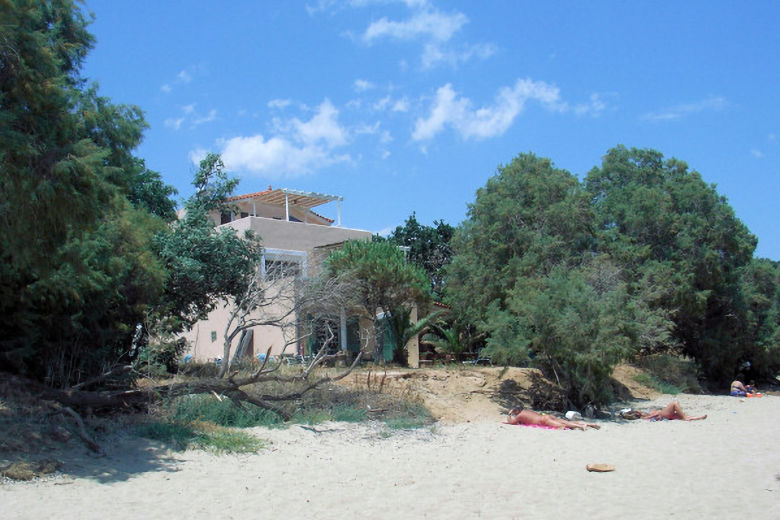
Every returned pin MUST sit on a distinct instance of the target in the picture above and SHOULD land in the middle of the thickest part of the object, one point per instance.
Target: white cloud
(434, 53)
(368, 129)
(382, 103)
(299, 148)
(758, 154)
(402, 105)
(457, 112)
(335, 5)
(428, 24)
(199, 120)
(166, 88)
(594, 107)
(361, 85)
(191, 117)
(323, 126)
(279, 103)
(197, 155)
(184, 76)
(174, 123)
(677, 112)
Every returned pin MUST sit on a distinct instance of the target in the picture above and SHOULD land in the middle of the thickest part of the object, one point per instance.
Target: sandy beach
(725, 466)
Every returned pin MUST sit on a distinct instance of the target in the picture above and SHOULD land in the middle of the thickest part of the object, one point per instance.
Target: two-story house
(295, 242)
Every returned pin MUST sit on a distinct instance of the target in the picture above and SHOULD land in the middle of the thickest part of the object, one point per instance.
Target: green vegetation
(208, 422)
(380, 278)
(413, 416)
(224, 412)
(669, 374)
(205, 436)
(640, 258)
(86, 252)
(657, 384)
(429, 248)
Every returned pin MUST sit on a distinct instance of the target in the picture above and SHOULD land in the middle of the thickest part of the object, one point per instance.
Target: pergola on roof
(285, 197)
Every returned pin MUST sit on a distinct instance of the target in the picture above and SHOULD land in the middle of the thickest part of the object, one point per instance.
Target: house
(295, 240)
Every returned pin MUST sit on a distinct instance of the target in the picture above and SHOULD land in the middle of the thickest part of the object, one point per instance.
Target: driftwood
(233, 387)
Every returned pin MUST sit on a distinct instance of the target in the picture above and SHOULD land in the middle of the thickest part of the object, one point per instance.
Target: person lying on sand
(671, 412)
(520, 416)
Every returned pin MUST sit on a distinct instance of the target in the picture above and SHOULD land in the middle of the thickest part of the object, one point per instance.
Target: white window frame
(284, 255)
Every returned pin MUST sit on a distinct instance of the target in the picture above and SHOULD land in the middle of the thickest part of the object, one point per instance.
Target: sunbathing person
(520, 416)
(672, 411)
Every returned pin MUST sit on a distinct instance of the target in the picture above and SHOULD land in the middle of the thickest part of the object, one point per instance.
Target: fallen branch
(92, 445)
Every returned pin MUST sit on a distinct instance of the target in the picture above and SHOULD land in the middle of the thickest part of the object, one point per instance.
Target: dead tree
(279, 301)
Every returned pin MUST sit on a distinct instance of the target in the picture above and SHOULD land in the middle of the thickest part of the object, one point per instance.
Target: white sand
(725, 466)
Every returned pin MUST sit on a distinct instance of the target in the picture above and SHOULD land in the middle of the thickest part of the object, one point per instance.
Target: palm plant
(403, 329)
(447, 338)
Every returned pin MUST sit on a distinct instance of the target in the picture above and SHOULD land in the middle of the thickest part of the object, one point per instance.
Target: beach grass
(202, 435)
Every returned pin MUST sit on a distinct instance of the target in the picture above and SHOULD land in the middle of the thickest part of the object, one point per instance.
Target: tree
(661, 222)
(381, 278)
(529, 218)
(403, 330)
(450, 337)
(206, 266)
(759, 327)
(526, 273)
(77, 264)
(429, 248)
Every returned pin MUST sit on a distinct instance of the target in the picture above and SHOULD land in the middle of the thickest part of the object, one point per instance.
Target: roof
(278, 197)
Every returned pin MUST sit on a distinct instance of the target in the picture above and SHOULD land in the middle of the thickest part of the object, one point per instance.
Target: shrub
(221, 412)
(181, 436)
(670, 374)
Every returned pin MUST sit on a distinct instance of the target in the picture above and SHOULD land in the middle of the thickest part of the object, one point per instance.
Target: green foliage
(206, 265)
(657, 384)
(221, 412)
(448, 337)
(571, 331)
(519, 275)
(661, 222)
(646, 258)
(669, 374)
(381, 279)
(182, 436)
(77, 210)
(528, 218)
(759, 338)
(212, 185)
(403, 330)
(429, 248)
(412, 417)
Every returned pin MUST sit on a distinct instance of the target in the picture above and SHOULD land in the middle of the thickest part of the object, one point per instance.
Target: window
(213, 335)
(278, 264)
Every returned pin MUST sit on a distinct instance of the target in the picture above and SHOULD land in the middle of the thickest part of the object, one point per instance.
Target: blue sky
(410, 106)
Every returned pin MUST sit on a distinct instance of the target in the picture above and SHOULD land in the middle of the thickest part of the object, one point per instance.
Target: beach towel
(541, 426)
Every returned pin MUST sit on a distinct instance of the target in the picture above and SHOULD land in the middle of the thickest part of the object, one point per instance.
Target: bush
(221, 412)
(669, 374)
(182, 436)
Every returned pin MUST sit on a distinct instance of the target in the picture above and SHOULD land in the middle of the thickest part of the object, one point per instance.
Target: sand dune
(726, 466)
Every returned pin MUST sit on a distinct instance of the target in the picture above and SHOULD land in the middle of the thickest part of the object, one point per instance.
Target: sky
(411, 106)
